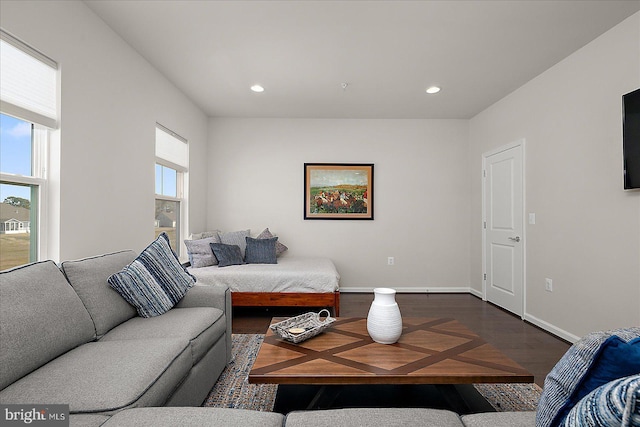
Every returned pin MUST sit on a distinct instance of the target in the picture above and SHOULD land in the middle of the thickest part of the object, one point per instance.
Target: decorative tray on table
(299, 328)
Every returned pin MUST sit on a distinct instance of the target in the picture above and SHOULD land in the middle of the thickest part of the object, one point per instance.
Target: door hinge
(485, 225)
(485, 276)
(484, 173)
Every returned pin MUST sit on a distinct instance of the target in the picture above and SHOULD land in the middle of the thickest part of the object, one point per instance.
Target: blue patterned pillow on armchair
(579, 371)
(614, 404)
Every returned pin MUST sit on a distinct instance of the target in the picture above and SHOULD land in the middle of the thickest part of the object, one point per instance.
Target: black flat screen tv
(631, 139)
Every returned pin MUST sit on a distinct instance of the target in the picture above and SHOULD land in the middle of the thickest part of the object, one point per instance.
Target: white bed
(293, 281)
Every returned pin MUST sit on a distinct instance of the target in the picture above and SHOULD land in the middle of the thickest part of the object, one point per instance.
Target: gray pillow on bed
(235, 238)
(199, 251)
(261, 251)
(227, 254)
(266, 234)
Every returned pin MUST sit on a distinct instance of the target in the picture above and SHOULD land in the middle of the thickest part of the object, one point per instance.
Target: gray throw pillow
(227, 254)
(155, 281)
(237, 238)
(266, 234)
(199, 252)
(261, 251)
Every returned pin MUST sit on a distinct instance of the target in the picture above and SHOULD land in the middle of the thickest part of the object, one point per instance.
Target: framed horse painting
(338, 191)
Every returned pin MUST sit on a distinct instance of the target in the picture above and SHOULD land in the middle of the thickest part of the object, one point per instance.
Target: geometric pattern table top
(430, 351)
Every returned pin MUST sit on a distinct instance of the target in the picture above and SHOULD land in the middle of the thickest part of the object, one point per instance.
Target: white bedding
(290, 274)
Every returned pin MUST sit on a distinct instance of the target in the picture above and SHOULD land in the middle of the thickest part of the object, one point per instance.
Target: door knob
(515, 239)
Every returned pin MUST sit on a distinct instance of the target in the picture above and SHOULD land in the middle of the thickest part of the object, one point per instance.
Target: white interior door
(503, 243)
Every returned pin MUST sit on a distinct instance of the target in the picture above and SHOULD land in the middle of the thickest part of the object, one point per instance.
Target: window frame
(40, 137)
(43, 113)
(182, 180)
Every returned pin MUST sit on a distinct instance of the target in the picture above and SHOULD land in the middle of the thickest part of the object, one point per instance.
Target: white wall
(421, 194)
(111, 99)
(587, 232)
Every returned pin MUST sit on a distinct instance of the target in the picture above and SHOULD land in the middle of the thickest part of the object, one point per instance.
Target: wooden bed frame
(287, 299)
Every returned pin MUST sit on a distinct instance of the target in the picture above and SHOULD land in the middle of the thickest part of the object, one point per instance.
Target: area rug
(232, 390)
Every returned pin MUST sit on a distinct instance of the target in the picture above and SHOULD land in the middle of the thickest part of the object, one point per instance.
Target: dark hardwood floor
(533, 348)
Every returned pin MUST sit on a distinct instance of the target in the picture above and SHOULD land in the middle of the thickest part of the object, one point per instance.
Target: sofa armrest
(205, 296)
(211, 296)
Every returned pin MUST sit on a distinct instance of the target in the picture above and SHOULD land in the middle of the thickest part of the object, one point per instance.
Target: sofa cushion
(500, 419)
(400, 417)
(202, 326)
(200, 253)
(261, 251)
(102, 377)
(89, 276)
(87, 420)
(41, 317)
(155, 281)
(216, 296)
(616, 403)
(194, 417)
(568, 374)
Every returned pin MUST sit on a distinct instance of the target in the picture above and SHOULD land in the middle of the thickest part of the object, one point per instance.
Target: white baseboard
(476, 293)
(551, 328)
(407, 290)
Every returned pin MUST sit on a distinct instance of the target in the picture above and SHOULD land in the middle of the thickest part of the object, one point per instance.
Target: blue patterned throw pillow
(573, 373)
(616, 403)
(261, 251)
(155, 281)
(616, 359)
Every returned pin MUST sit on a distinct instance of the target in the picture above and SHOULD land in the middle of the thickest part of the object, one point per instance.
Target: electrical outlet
(391, 260)
(548, 285)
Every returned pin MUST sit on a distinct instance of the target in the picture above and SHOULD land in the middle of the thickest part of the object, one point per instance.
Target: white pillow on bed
(200, 253)
(204, 235)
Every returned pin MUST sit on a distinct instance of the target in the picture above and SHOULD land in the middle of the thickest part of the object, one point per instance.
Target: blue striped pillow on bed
(155, 281)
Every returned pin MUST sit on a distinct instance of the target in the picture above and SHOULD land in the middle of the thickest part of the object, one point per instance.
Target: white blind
(28, 82)
(171, 149)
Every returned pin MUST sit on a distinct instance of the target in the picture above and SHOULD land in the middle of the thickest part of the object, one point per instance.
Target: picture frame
(338, 191)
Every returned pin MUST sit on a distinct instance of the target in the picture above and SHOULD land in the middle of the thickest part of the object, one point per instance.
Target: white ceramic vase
(384, 322)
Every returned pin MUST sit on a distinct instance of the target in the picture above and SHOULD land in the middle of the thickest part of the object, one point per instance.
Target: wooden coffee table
(430, 351)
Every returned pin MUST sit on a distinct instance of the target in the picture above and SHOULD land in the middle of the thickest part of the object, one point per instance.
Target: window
(172, 159)
(28, 95)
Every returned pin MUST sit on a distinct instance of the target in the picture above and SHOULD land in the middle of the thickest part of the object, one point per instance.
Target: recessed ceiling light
(433, 89)
(257, 88)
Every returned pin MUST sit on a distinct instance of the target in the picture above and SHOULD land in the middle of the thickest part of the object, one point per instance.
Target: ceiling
(388, 52)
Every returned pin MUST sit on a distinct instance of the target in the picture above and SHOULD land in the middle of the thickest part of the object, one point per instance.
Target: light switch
(532, 218)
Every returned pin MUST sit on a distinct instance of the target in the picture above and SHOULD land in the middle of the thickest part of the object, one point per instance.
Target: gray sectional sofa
(68, 338)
